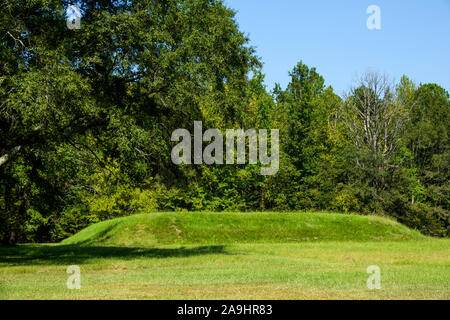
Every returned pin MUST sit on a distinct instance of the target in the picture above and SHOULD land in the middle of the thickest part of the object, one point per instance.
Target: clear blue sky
(332, 36)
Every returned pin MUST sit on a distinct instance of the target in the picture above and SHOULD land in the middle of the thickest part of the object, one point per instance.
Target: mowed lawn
(286, 266)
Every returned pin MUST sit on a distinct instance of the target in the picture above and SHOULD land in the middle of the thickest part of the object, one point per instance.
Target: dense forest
(86, 118)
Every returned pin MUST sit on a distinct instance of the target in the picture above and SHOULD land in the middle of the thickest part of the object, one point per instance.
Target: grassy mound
(226, 228)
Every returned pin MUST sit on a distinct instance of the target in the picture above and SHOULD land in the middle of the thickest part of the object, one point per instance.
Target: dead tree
(374, 117)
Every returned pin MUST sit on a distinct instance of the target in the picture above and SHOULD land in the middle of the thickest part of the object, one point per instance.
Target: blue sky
(332, 36)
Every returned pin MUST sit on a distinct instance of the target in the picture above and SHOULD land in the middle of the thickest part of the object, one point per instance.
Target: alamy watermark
(214, 152)
(374, 20)
(374, 280)
(73, 20)
(74, 281)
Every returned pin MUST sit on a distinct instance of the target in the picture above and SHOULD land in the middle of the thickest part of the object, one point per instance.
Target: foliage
(86, 118)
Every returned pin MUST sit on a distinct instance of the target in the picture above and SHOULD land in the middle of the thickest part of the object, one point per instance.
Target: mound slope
(226, 228)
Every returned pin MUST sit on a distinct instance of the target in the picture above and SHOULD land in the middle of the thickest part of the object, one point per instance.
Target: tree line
(86, 118)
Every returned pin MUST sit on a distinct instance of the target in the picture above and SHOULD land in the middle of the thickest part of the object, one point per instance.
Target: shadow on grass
(73, 254)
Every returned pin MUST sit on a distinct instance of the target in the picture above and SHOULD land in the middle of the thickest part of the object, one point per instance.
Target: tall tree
(375, 119)
(427, 137)
(116, 88)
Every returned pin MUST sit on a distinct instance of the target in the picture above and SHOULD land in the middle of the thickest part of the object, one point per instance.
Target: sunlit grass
(414, 268)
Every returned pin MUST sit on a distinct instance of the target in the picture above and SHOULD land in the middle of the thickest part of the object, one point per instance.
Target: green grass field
(232, 256)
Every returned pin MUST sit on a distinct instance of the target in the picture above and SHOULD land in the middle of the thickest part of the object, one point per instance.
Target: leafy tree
(86, 117)
(114, 89)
